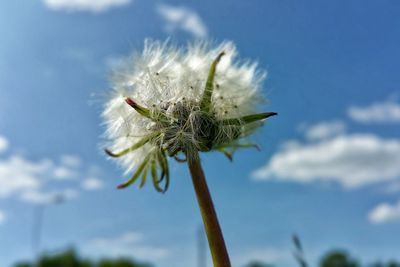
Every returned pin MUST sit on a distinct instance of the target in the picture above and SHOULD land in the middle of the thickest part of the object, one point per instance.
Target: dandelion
(170, 102)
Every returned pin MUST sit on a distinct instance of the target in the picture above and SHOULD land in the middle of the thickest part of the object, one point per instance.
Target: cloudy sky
(329, 168)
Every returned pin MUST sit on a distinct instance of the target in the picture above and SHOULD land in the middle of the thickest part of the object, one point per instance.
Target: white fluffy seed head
(171, 79)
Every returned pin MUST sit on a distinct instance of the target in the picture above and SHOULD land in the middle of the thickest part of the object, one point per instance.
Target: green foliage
(120, 263)
(338, 259)
(388, 264)
(69, 258)
(24, 264)
(258, 264)
(334, 258)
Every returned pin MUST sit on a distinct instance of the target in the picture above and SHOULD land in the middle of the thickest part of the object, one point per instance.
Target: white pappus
(176, 102)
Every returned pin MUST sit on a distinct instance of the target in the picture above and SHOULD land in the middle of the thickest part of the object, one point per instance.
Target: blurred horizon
(70, 258)
(329, 165)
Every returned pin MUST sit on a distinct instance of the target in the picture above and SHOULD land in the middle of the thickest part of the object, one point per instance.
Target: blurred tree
(69, 258)
(388, 264)
(23, 264)
(120, 263)
(258, 264)
(65, 259)
(338, 259)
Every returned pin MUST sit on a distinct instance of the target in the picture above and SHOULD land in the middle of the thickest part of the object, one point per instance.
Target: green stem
(213, 230)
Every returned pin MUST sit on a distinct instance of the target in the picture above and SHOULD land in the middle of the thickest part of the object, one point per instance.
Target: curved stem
(213, 230)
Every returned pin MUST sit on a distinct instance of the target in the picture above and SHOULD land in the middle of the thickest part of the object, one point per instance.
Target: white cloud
(29, 180)
(64, 173)
(124, 239)
(95, 6)
(25, 178)
(127, 244)
(351, 160)
(18, 174)
(39, 197)
(384, 213)
(324, 130)
(92, 183)
(71, 161)
(3, 144)
(381, 112)
(2, 217)
(182, 18)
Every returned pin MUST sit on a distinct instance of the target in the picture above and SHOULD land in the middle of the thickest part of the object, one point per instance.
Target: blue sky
(329, 168)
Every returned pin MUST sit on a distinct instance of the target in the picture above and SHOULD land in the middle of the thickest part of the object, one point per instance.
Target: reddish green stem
(213, 230)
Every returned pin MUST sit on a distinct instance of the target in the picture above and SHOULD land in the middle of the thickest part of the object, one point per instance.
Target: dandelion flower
(170, 102)
(175, 102)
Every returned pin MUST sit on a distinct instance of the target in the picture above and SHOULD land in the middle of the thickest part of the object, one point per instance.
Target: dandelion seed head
(166, 85)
